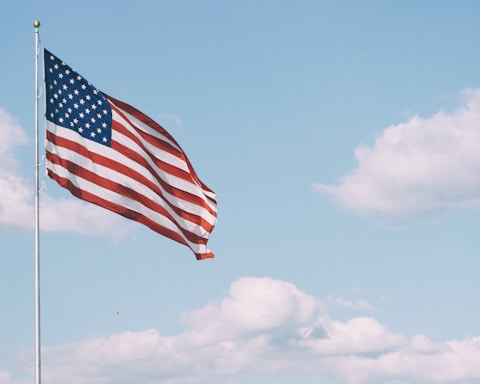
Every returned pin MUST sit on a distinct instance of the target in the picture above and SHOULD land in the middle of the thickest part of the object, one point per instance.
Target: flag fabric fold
(108, 153)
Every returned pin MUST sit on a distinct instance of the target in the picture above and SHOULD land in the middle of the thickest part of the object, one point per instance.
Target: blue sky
(343, 141)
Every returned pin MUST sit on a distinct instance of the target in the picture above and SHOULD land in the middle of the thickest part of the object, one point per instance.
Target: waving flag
(108, 153)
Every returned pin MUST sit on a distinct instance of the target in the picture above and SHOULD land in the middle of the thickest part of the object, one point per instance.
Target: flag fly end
(204, 256)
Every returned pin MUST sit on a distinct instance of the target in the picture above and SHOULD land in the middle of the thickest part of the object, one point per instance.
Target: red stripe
(86, 174)
(203, 256)
(154, 125)
(168, 168)
(121, 168)
(166, 144)
(84, 195)
(119, 127)
(161, 144)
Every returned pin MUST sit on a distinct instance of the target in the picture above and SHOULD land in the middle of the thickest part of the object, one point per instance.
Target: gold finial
(36, 24)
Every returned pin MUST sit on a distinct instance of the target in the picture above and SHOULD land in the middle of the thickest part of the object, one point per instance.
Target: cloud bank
(262, 328)
(17, 198)
(418, 167)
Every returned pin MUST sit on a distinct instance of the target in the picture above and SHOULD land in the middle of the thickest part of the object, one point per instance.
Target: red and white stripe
(144, 176)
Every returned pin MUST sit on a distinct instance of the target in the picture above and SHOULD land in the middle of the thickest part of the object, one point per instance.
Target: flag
(107, 152)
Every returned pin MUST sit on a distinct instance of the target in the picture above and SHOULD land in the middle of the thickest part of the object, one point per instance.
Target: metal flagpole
(36, 25)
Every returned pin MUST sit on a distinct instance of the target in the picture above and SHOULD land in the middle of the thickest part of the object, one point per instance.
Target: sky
(343, 141)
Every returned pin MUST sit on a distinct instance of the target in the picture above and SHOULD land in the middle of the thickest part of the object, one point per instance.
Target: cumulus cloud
(253, 305)
(14, 190)
(348, 303)
(17, 195)
(262, 328)
(422, 166)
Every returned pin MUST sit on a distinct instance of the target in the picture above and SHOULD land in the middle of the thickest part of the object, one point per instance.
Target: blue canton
(72, 102)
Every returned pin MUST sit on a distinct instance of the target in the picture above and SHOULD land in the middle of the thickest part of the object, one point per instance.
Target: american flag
(108, 153)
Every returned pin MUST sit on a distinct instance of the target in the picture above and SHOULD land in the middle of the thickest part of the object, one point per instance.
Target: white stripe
(191, 187)
(144, 127)
(123, 201)
(165, 156)
(142, 189)
(108, 152)
(135, 124)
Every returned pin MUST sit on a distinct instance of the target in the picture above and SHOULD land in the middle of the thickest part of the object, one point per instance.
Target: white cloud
(12, 136)
(17, 195)
(14, 190)
(70, 215)
(348, 303)
(418, 167)
(450, 362)
(263, 327)
(172, 117)
(253, 305)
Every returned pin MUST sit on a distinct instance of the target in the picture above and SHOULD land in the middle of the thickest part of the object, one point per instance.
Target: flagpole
(36, 25)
